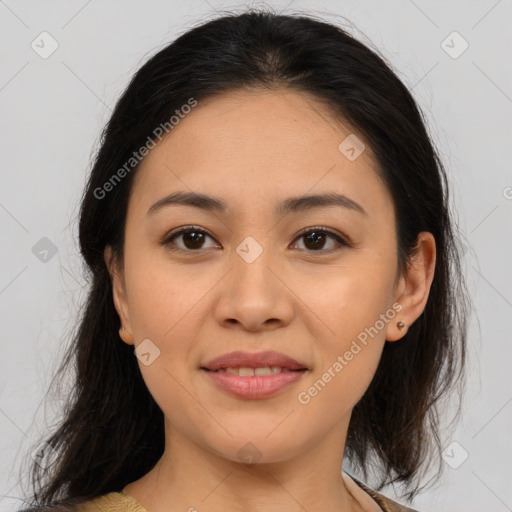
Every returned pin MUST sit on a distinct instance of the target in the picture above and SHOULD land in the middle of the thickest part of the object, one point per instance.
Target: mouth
(251, 372)
(253, 375)
(247, 364)
(252, 386)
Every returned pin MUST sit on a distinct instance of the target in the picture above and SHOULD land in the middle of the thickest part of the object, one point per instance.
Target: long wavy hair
(112, 431)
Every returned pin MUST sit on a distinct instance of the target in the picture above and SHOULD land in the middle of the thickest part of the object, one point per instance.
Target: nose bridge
(252, 260)
(253, 295)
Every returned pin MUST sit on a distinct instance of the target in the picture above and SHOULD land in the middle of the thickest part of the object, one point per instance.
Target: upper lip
(240, 359)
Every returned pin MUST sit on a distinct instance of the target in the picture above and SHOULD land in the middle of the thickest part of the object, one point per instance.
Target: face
(315, 282)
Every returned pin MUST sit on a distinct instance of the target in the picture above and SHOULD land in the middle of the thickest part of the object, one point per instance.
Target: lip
(258, 386)
(240, 359)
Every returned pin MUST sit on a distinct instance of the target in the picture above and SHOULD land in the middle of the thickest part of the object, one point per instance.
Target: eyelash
(341, 241)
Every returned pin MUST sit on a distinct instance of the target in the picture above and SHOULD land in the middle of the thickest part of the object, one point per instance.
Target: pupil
(314, 238)
(195, 237)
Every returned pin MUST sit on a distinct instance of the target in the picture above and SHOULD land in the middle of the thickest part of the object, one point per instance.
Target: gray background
(51, 113)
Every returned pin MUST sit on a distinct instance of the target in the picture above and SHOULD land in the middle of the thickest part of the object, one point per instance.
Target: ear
(414, 287)
(119, 295)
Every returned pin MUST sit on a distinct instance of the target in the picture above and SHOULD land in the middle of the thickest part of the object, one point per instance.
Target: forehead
(259, 145)
(280, 122)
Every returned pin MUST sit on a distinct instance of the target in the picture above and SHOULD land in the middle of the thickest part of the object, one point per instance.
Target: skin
(254, 148)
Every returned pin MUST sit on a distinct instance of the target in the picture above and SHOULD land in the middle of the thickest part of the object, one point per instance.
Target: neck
(189, 477)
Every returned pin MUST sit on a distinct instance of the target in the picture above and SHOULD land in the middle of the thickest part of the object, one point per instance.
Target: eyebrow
(290, 205)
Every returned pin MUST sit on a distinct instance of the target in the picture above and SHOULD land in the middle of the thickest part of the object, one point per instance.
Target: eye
(193, 238)
(315, 239)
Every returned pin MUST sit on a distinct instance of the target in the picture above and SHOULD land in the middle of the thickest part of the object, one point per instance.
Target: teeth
(251, 372)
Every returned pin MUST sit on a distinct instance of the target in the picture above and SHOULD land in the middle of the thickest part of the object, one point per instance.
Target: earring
(400, 325)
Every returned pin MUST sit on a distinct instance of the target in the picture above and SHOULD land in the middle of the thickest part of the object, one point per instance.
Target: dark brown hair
(112, 432)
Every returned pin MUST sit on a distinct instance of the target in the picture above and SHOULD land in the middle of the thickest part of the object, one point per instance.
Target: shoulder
(111, 502)
(386, 504)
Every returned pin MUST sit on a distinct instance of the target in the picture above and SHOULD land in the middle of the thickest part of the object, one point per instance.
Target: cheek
(160, 295)
(349, 350)
(164, 305)
(350, 319)
(344, 300)
(334, 392)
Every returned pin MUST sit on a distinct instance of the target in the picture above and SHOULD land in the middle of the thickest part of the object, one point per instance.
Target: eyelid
(342, 240)
(184, 229)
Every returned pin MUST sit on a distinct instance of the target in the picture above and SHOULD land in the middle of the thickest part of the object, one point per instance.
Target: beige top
(121, 502)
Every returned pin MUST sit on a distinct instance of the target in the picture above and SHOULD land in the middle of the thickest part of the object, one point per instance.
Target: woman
(275, 284)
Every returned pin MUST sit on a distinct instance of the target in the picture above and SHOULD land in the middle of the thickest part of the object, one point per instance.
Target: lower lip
(259, 386)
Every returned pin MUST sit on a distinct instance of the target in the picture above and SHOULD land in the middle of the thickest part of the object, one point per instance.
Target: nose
(254, 296)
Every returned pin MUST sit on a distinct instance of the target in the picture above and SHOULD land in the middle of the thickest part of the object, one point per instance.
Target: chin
(256, 449)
